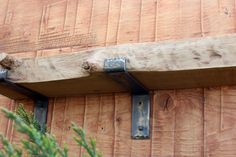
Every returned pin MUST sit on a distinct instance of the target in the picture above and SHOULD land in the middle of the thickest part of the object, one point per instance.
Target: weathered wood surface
(202, 62)
(170, 56)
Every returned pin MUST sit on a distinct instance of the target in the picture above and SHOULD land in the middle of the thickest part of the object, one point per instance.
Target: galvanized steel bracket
(41, 101)
(116, 68)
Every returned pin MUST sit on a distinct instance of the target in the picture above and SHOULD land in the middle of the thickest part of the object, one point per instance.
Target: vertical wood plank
(113, 22)
(220, 120)
(123, 142)
(189, 123)
(92, 115)
(99, 21)
(105, 132)
(58, 119)
(4, 122)
(83, 17)
(218, 16)
(190, 18)
(147, 25)
(3, 11)
(9, 129)
(163, 129)
(75, 114)
(167, 20)
(128, 31)
(70, 19)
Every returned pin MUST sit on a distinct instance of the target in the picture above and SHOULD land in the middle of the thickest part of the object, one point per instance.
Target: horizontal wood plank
(202, 62)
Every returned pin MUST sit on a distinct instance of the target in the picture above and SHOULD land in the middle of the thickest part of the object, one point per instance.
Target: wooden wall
(189, 122)
(196, 122)
(72, 25)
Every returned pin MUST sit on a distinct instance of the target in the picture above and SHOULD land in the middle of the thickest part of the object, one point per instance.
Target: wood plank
(219, 17)
(58, 119)
(105, 132)
(189, 123)
(202, 53)
(164, 122)
(99, 21)
(189, 63)
(123, 142)
(113, 22)
(74, 113)
(91, 117)
(190, 17)
(129, 22)
(147, 21)
(4, 122)
(220, 121)
(167, 20)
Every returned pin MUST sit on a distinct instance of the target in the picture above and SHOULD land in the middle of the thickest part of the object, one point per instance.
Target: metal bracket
(41, 101)
(116, 68)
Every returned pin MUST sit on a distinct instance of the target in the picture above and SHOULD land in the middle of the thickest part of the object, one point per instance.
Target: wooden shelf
(199, 62)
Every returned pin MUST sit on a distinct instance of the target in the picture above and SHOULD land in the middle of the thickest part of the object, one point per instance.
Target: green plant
(38, 143)
(29, 119)
(90, 146)
(9, 150)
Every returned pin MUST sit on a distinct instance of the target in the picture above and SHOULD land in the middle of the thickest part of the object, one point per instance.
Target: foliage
(89, 147)
(29, 119)
(38, 143)
(8, 150)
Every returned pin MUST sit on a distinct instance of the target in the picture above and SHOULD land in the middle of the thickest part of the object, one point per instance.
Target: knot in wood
(90, 67)
(166, 102)
(8, 62)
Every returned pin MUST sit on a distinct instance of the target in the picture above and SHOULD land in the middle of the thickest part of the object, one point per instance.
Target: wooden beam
(201, 62)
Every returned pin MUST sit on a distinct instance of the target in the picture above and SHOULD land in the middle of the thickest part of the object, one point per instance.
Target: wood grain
(189, 123)
(220, 120)
(106, 130)
(164, 122)
(122, 121)
(218, 17)
(58, 124)
(74, 113)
